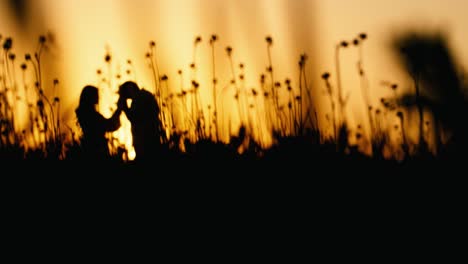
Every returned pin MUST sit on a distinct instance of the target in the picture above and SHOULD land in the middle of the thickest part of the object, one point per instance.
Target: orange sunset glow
(246, 74)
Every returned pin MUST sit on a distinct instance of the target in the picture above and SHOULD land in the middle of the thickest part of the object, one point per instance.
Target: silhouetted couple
(143, 114)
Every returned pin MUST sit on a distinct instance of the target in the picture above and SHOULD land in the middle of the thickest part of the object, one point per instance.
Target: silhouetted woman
(94, 125)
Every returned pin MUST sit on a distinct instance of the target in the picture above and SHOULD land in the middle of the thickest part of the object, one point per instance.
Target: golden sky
(86, 29)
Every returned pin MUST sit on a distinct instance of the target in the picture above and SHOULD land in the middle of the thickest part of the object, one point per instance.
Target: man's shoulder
(147, 99)
(144, 92)
(146, 95)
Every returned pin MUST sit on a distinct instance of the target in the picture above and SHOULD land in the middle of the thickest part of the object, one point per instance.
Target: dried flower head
(302, 59)
(213, 38)
(42, 39)
(108, 58)
(325, 76)
(8, 44)
(228, 50)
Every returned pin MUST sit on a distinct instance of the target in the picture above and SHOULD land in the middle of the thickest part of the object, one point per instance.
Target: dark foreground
(293, 187)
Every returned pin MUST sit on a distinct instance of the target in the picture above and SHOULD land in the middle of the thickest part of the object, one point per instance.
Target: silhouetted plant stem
(274, 93)
(303, 78)
(237, 96)
(215, 107)
(341, 99)
(364, 83)
(404, 145)
(420, 112)
(329, 90)
(155, 70)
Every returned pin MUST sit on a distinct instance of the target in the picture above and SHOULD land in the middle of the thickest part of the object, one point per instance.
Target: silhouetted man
(143, 115)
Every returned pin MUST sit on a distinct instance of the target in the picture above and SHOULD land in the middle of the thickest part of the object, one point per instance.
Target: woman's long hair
(89, 98)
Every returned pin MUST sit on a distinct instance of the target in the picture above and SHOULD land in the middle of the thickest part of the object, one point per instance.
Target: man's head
(128, 89)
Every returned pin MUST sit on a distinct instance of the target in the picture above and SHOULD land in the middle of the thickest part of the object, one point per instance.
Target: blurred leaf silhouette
(427, 57)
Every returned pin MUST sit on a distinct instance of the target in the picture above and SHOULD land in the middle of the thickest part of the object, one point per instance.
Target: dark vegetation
(285, 108)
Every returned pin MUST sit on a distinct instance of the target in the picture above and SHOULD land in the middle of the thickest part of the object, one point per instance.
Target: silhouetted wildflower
(302, 60)
(213, 39)
(24, 66)
(228, 50)
(8, 44)
(27, 56)
(355, 42)
(152, 43)
(363, 36)
(42, 39)
(325, 76)
(358, 136)
(269, 40)
(12, 56)
(344, 44)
